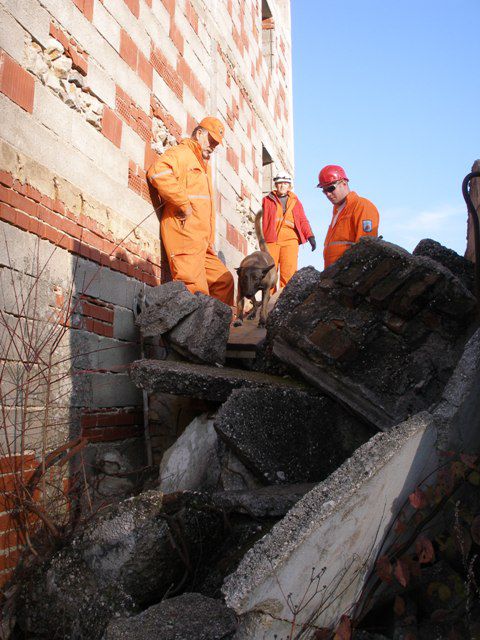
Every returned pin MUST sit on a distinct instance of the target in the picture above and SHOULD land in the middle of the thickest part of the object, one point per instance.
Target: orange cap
(214, 127)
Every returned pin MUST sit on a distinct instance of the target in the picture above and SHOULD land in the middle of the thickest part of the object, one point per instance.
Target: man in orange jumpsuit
(183, 180)
(285, 226)
(352, 216)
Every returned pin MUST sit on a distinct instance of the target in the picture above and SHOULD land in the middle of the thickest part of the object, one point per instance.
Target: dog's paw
(262, 322)
(238, 323)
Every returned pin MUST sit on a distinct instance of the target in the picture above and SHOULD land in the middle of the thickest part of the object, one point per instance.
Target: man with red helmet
(352, 216)
(285, 226)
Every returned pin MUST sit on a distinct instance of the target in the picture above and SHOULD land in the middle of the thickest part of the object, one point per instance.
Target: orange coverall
(285, 250)
(358, 218)
(182, 177)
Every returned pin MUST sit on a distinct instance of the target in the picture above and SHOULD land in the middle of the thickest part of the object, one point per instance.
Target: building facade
(90, 91)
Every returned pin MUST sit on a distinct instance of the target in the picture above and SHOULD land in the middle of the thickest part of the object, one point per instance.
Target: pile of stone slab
(380, 331)
(286, 468)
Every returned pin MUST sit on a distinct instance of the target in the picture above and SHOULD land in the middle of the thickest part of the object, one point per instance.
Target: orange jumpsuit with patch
(182, 177)
(285, 250)
(359, 217)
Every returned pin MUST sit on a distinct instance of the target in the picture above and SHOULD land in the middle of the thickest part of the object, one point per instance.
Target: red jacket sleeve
(304, 224)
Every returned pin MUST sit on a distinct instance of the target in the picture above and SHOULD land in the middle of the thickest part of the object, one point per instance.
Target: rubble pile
(381, 332)
(289, 454)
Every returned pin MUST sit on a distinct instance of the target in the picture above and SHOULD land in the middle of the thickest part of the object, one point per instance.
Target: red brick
(145, 70)
(88, 9)
(79, 63)
(10, 464)
(95, 311)
(128, 50)
(9, 559)
(232, 158)
(170, 6)
(6, 179)
(5, 577)
(166, 71)
(134, 6)
(16, 83)
(150, 157)
(192, 16)
(112, 126)
(176, 36)
(110, 434)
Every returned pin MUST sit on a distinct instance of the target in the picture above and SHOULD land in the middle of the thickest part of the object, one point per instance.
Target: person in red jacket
(352, 216)
(285, 227)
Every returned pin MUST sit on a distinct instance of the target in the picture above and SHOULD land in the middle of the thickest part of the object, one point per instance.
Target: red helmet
(329, 174)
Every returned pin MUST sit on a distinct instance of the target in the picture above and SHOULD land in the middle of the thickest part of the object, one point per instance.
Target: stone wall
(90, 90)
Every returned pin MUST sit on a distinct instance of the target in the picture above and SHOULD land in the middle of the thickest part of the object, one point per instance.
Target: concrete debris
(200, 381)
(190, 616)
(333, 532)
(299, 287)
(166, 305)
(284, 436)
(381, 332)
(462, 268)
(202, 336)
(264, 502)
(192, 462)
(128, 556)
(234, 475)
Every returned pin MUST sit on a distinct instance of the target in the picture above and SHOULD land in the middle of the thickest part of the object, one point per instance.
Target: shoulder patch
(367, 225)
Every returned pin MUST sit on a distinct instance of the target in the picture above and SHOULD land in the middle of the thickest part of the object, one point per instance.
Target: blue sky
(391, 91)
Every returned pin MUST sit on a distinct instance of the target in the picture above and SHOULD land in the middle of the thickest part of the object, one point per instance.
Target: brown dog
(256, 272)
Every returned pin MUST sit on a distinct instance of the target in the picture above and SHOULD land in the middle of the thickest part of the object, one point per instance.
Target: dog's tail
(259, 231)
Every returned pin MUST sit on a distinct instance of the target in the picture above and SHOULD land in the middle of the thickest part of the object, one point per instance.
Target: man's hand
(313, 242)
(183, 215)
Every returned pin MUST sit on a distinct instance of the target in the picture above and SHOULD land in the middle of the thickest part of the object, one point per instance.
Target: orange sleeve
(164, 175)
(366, 220)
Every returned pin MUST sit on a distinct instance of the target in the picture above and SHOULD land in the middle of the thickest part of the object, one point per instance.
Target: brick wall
(90, 91)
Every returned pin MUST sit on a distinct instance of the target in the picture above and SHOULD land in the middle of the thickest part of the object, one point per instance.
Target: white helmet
(282, 176)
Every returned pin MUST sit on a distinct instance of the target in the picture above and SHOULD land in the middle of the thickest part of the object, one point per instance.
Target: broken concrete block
(201, 381)
(457, 415)
(299, 287)
(234, 475)
(334, 532)
(202, 336)
(190, 616)
(287, 436)
(125, 558)
(381, 332)
(166, 305)
(462, 268)
(192, 461)
(264, 502)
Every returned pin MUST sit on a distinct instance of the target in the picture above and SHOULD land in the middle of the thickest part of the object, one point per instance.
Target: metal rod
(476, 230)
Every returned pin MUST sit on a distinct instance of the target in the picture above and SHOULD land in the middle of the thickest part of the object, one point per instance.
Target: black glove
(312, 242)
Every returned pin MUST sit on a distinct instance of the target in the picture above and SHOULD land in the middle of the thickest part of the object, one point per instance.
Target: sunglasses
(331, 188)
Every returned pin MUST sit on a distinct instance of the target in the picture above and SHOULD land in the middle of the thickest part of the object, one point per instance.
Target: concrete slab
(202, 335)
(381, 332)
(333, 532)
(202, 381)
(286, 436)
(191, 463)
(264, 502)
(167, 305)
(457, 415)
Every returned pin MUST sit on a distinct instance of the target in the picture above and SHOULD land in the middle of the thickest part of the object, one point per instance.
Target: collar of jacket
(273, 196)
(196, 149)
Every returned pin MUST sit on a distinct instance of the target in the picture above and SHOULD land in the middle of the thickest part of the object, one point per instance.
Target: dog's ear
(267, 269)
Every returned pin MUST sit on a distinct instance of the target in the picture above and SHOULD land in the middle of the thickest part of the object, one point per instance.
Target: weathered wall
(90, 90)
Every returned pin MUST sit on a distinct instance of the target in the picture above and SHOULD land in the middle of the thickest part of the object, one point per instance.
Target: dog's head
(250, 279)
